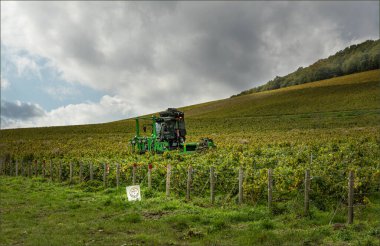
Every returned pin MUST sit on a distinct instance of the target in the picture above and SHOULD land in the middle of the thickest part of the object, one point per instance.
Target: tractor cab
(170, 127)
(168, 132)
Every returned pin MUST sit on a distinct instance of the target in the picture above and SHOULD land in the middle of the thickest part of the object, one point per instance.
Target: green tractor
(168, 132)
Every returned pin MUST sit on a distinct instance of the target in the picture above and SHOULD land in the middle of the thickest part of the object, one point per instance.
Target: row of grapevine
(288, 184)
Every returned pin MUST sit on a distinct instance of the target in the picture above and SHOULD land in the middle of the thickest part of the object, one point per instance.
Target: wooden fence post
(134, 174)
(9, 168)
(212, 185)
(60, 171)
(36, 168)
(168, 173)
(43, 168)
(117, 175)
(51, 170)
(1, 166)
(22, 168)
(91, 171)
(150, 176)
(16, 168)
(241, 175)
(80, 172)
(188, 187)
(351, 198)
(71, 172)
(307, 190)
(270, 186)
(104, 174)
(5, 168)
(29, 169)
(25, 168)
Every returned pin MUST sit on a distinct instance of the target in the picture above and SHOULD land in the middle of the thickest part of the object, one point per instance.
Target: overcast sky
(65, 63)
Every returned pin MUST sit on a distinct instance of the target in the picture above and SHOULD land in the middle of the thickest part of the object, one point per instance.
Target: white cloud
(4, 83)
(26, 65)
(109, 108)
(61, 92)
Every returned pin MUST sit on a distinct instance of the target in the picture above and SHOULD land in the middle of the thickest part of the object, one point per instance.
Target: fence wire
(254, 183)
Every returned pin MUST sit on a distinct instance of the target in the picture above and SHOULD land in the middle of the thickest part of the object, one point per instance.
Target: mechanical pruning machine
(168, 133)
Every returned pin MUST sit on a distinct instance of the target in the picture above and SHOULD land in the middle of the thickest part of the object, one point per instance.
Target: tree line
(353, 59)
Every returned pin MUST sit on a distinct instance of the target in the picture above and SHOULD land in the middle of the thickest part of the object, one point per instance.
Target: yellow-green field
(339, 107)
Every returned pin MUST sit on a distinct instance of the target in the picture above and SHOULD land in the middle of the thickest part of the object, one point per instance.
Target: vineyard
(327, 128)
(329, 164)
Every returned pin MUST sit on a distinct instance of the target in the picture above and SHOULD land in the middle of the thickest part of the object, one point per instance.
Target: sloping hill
(332, 107)
(352, 92)
(356, 58)
(343, 102)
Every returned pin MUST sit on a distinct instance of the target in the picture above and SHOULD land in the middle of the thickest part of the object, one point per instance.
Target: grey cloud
(20, 110)
(160, 54)
(355, 20)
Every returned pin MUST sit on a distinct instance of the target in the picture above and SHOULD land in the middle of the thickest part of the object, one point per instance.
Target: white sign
(133, 193)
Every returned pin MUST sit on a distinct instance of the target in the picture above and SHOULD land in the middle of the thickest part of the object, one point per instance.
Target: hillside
(353, 92)
(351, 101)
(343, 102)
(353, 59)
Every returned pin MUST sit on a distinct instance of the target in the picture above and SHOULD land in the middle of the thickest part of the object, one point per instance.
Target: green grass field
(37, 212)
(335, 120)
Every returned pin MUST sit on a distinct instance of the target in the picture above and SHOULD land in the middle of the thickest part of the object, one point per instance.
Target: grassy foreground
(37, 212)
